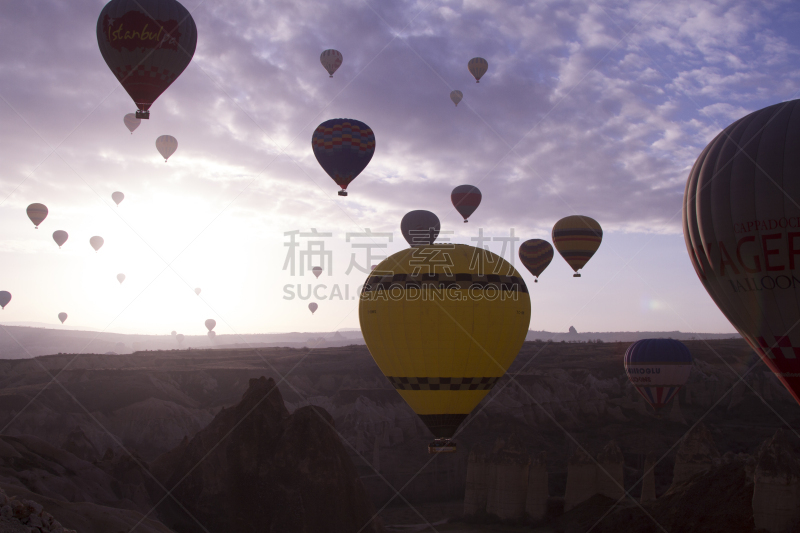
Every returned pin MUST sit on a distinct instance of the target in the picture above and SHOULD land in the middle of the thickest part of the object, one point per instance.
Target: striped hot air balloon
(466, 199)
(477, 67)
(456, 96)
(658, 368)
(536, 254)
(343, 147)
(577, 238)
(331, 60)
(37, 213)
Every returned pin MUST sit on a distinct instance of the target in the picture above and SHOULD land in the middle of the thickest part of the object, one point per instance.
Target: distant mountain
(624, 336)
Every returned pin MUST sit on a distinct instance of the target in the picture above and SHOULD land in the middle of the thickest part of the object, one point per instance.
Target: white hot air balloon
(62, 317)
(317, 271)
(456, 96)
(117, 197)
(131, 122)
(120, 278)
(313, 307)
(166, 146)
(331, 60)
(197, 291)
(96, 242)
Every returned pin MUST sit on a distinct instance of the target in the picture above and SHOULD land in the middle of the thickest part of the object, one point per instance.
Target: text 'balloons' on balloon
(197, 291)
(313, 307)
(317, 271)
(466, 199)
(37, 213)
(577, 238)
(456, 96)
(477, 67)
(331, 60)
(60, 236)
(117, 197)
(426, 347)
(211, 334)
(62, 317)
(146, 44)
(131, 122)
(173, 333)
(535, 255)
(96, 242)
(166, 146)
(740, 219)
(658, 368)
(120, 278)
(343, 148)
(420, 227)
(211, 324)
(5, 297)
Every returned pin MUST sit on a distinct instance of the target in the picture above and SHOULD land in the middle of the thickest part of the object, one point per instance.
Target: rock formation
(538, 489)
(649, 479)
(80, 446)
(697, 453)
(476, 487)
(776, 494)
(675, 414)
(610, 468)
(581, 479)
(257, 468)
(24, 515)
(508, 480)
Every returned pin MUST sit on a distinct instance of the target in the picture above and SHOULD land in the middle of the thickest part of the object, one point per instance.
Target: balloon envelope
(740, 223)
(5, 297)
(173, 333)
(443, 354)
(420, 227)
(37, 213)
(535, 254)
(117, 197)
(456, 96)
(313, 307)
(179, 338)
(60, 236)
(197, 291)
(211, 334)
(131, 122)
(96, 242)
(120, 278)
(331, 60)
(577, 238)
(343, 148)
(62, 317)
(317, 271)
(477, 67)
(466, 199)
(210, 324)
(658, 368)
(166, 146)
(146, 44)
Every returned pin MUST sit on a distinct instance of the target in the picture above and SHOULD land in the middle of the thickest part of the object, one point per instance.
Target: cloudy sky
(592, 108)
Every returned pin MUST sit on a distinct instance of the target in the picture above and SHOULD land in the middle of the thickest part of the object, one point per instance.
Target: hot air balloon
(173, 333)
(535, 254)
(60, 236)
(577, 238)
(96, 242)
(313, 307)
(37, 213)
(420, 227)
(211, 334)
(466, 199)
(658, 368)
(477, 67)
(120, 278)
(5, 297)
(131, 122)
(197, 291)
(444, 349)
(456, 96)
(117, 197)
(166, 146)
(331, 60)
(740, 220)
(179, 338)
(317, 271)
(146, 44)
(62, 317)
(343, 148)
(210, 324)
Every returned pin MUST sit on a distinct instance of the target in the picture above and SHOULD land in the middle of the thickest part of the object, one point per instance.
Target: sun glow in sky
(587, 108)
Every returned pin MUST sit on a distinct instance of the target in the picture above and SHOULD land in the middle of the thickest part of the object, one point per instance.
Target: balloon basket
(536, 281)
(465, 221)
(442, 446)
(576, 275)
(343, 193)
(142, 114)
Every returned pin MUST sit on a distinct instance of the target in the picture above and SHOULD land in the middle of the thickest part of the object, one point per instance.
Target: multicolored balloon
(577, 238)
(313, 307)
(477, 67)
(166, 146)
(658, 368)
(96, 242)
(456, 96)
(331, 60)
(5, 297)
(60, 236)
(117, 197)
(131, 122)
(343, 147)
(466, 199)
(62, 317)
(37, 213)
(536, 254)
(420, 227)
(146, 44)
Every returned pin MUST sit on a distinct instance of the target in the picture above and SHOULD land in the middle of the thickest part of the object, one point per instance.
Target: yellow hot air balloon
(443, 328)
(577, 238)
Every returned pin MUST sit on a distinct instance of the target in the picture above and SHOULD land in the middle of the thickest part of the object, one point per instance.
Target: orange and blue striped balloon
(577, 238)
(536, 254)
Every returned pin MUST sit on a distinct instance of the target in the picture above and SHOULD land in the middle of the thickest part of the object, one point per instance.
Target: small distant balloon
(37, 213)
(658, 368)
(331, 60)
(211, 334)
(179, 338)
(577, 238)
(420, 227)
(317, 271)
(466, 199)
(62, 317)
(96, 242)
(456, 97)
(131, 122)
(166, 146)
(210, 324)
(477, 67)
(197, 291)
(120, 278)
(536, 254)
(313, 307)
(173, 333)
(60, 236)
(117, 197)
(5, 297)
